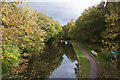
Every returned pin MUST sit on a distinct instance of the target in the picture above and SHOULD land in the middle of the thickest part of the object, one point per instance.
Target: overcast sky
(63, 10)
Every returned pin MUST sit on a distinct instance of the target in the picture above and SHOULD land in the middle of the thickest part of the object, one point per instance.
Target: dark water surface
(57, 61)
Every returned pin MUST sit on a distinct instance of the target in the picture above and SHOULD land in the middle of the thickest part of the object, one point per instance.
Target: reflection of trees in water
(41, 66)
(69, 51)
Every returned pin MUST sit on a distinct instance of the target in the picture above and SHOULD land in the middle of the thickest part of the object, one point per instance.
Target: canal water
(58, 60)
(65, 70)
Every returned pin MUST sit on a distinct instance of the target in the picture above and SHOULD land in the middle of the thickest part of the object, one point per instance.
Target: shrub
(10, 56)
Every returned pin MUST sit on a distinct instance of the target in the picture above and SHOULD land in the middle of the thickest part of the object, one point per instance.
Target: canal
(58, 60)
(65, 70)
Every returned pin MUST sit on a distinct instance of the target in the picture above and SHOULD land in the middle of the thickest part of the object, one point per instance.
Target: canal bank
(83, 64)
(89, 66)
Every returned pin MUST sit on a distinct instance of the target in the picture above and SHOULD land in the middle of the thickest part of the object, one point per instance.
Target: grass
(83, 71)
(85, 46)
(100, 57)
(110, 72)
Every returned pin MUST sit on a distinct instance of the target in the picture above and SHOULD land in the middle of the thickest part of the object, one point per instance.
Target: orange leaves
(23, 46)
(2, 57)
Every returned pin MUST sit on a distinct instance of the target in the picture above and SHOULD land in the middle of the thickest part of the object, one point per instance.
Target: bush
(10, 56)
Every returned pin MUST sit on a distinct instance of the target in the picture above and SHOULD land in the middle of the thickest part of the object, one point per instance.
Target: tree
(24, 30)
(67, 29)
(111, 36)
(91, 24)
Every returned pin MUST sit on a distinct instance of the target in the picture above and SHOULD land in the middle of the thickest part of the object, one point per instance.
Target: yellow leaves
(2, 57)
(111, 31)
(28, 22)
(56, 44)
(114, 35)
(41, 39)
(22, 26)
(113, 24)
(8, 23)
(11, 56)
(109, 18)
(2, 27)
(14, 4)
(16, 41)
(33, 44)
(3, 9)
(11, 31)
(106, 20)
(30, 43)
(17, 2)
(107, 48)
(43, 43)
(110, 44)
(105, 42)
(27, 39)
(26, 30)
(3, 19)
(17, 32)
(102, 40)
(23, 46)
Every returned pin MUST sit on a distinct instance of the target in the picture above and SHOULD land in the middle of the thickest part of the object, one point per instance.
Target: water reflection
(65, 70)
(57, 61)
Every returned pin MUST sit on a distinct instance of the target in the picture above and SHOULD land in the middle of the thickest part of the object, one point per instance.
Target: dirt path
(91, 61)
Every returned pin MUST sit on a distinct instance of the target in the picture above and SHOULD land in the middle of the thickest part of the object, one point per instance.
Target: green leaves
(24, 29)
(90, 25)
(112, 25)
(10, 55)
(68, 29)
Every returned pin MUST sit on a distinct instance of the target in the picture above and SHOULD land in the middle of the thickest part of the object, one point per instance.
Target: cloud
(62, 11)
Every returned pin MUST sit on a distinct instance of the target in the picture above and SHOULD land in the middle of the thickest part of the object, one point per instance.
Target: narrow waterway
(65, 70)
(58, 60)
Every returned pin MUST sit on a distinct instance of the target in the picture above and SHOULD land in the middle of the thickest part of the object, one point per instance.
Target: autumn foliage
(24, 29)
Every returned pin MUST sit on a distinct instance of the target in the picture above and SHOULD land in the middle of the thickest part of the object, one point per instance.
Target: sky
(62, 10)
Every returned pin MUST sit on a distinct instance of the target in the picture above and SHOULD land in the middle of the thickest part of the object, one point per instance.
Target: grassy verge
(84, 69)
(109, 68)
(100, 56)
(85, 46)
